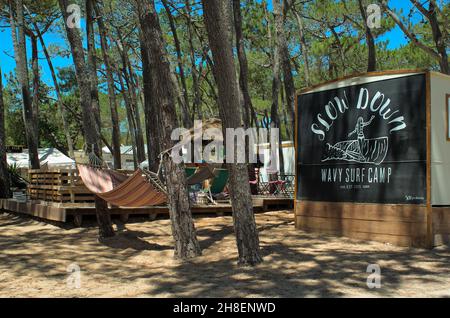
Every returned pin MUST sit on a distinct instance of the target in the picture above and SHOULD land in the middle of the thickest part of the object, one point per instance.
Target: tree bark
(285, 60)
(196, 105)
(183, 229)
(90, 127)
(105, 228)
(372, 57)
(276, 88)
(61, 105)
(20, 55)
(151, 115)
(132, 88)
(92, 61)
(217, 14)
(304, 47)
(243, 65)
(131, 83)
(130, 117)
(4, 174)
(111, 89)
(187, 122)
(249, 112)
(36, 84)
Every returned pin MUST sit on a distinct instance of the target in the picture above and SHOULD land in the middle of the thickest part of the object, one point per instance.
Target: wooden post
(430, 230)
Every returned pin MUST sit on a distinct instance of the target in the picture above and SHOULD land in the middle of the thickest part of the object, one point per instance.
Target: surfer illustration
(360, 125)
(360, 150)
(359, 130)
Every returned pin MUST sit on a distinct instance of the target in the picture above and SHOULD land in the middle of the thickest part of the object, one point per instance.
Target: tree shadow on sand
(296, 263)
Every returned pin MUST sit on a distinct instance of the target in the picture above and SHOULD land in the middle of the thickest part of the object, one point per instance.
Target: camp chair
(195, 181)
(218, 184)
(201, 175)
(277, 186)
(190, 171)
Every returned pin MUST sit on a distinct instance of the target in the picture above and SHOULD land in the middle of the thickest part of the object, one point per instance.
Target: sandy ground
(35, 258)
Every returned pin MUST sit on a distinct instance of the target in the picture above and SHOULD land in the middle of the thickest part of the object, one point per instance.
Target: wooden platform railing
(62, 185)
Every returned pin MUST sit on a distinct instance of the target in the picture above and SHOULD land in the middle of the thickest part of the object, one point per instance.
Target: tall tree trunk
(90, 127)
(243, 64)
(285, 59)
(183, 229)
(304, 47)
(20, 55)
(274, 111)
(285, 115)
(101, 206)
(249, 111)
(92, 61)
(141, 155)
(151, 115)
(36, 83)
(372, 57)
(111, 89)
(276, 88)
(4, 174)
(187, 122)
(217, 14)
(130, 117)
(196, 106)
(61, 105)
(132, 84)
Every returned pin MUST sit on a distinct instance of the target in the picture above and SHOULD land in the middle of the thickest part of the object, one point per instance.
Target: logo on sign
(359, 149)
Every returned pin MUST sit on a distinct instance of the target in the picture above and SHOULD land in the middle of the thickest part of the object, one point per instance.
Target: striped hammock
(140, 190)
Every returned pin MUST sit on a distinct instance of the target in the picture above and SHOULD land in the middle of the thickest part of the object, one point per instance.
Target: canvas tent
(126, 153)
(288, 159)
(51, 157)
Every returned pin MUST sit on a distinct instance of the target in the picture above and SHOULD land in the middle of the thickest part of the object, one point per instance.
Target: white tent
(288, 159)
(54, 158)
(124, 150)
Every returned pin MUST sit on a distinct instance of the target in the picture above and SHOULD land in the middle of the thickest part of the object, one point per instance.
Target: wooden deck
(74, 212)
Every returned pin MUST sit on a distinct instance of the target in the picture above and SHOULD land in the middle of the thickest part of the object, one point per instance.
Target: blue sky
(395, 37)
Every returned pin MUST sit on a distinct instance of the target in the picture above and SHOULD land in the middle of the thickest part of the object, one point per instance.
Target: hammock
(99, 180)
(140, 190)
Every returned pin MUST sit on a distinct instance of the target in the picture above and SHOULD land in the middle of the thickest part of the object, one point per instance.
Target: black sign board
(365, 143)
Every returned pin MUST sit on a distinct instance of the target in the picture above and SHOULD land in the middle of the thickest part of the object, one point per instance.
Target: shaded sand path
(34, 257)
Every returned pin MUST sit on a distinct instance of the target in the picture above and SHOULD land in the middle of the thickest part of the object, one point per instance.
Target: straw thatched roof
(212, 123)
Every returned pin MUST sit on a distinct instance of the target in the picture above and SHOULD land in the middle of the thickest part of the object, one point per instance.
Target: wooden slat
(46, 212)
(397, 240)
(371, 212)
(352, 225)
(404, 225)
(82, 189)
(62, 185)
(441, 220)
